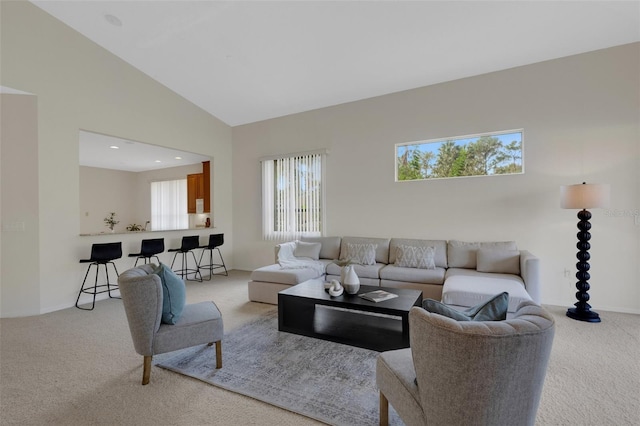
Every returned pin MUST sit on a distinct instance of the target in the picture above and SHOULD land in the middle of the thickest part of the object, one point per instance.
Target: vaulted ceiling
(247, 61)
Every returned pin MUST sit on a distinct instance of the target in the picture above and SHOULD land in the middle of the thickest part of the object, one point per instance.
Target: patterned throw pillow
(364, 254)
(416, 257)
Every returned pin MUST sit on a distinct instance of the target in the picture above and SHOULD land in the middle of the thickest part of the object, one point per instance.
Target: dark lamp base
(582, 315)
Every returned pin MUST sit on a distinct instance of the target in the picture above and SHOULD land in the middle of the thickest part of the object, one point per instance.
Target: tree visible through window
(292, 196)
(498, 153)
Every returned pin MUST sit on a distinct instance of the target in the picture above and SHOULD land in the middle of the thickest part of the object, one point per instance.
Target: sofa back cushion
(440, 257)
(498, 261)
(462, 254)
(381, 244)
(330, 246)
(307, 250)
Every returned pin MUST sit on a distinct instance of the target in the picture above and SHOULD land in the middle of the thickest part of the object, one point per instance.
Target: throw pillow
(174, 294)
(499, 261)
(285, 251)
(364, 254)
(308, 250)
(415, 257)
(494, 309)
(463, 254)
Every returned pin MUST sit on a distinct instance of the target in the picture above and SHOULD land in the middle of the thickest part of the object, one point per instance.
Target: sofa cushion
(174, 294)
(363, 254)
(382, 246)
(493, 309)
(307, 250)
(440, 257)
(277, 274)
(415, 257)
(413, 275)
(362, 271)
(473, 289)
(461, 254)
(498, 261)
(330, 246)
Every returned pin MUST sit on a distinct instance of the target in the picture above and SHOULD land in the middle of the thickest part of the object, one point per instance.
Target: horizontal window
(497, 153)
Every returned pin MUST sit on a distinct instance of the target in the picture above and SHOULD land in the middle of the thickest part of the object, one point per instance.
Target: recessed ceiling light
(158, 161)
(113, 20)
(178, 158)
(114, 147)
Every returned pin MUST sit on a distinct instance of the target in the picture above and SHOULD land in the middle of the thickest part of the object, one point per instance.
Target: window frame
(271, 215)
(456, 139)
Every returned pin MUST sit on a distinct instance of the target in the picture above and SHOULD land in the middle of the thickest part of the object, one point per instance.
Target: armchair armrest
(530, 272)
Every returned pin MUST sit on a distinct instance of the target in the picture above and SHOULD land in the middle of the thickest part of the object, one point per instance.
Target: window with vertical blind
(169, 205)
(293, 195)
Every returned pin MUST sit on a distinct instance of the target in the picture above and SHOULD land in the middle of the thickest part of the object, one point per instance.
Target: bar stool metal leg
(213, 266)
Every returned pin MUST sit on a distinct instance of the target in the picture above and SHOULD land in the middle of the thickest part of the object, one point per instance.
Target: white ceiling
(248, 61)
(96, 151)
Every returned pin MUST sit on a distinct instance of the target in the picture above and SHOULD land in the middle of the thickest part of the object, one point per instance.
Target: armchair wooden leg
(384, 410)
(219, 354)
(146, 372)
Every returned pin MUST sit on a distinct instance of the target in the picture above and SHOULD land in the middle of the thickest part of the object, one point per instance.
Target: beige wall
(19, 211)
(79, 85)
(128, 194)
(580, 116)
(103, 191)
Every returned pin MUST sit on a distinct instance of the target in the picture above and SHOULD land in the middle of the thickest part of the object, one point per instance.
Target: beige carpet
(74, 367)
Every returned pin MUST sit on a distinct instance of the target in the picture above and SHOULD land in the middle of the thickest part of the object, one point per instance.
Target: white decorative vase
(350, 280)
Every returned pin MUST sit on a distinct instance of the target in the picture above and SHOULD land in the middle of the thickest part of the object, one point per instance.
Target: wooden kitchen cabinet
(198, 186)
(195, 190)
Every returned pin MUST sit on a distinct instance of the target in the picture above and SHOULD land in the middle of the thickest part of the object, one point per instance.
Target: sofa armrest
(530, 272)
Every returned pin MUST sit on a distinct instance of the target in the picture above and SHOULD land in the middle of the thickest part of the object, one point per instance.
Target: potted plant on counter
(110, 221)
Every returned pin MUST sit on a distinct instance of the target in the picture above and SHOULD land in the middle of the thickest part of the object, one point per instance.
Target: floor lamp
(584, 196)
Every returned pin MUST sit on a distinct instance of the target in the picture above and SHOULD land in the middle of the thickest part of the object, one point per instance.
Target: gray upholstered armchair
(142, 297)
(468, 373)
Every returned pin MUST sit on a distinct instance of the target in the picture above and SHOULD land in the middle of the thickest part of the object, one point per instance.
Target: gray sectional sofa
(461, 274)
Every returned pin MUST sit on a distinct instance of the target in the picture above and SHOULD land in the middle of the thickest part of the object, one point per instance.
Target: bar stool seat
(101, 254)
(149, 249)
(215, 241)
(189, 243)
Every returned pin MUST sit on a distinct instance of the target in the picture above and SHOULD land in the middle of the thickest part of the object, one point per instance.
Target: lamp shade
(584, 196)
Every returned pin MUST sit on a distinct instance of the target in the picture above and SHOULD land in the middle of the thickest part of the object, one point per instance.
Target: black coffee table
(309, 310)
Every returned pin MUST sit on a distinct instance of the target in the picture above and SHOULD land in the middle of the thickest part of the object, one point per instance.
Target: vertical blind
(169, 205)
(292, 196)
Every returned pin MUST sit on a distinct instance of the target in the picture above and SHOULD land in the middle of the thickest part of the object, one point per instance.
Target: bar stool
(101, 254)
(148, 249)
(189, 243)
(215, 241)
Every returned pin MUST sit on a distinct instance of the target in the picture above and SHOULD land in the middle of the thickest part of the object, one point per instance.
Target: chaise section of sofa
(480, 270)
(268, 280)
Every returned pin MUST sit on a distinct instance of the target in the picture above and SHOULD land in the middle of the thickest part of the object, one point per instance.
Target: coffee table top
(315, 290)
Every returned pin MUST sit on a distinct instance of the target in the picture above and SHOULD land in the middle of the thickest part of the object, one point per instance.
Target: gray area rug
(326, 381)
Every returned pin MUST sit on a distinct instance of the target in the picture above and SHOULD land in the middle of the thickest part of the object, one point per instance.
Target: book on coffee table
(378, 295)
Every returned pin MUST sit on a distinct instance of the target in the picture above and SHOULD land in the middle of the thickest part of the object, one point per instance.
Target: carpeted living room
(70, 367)
(242, 84)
